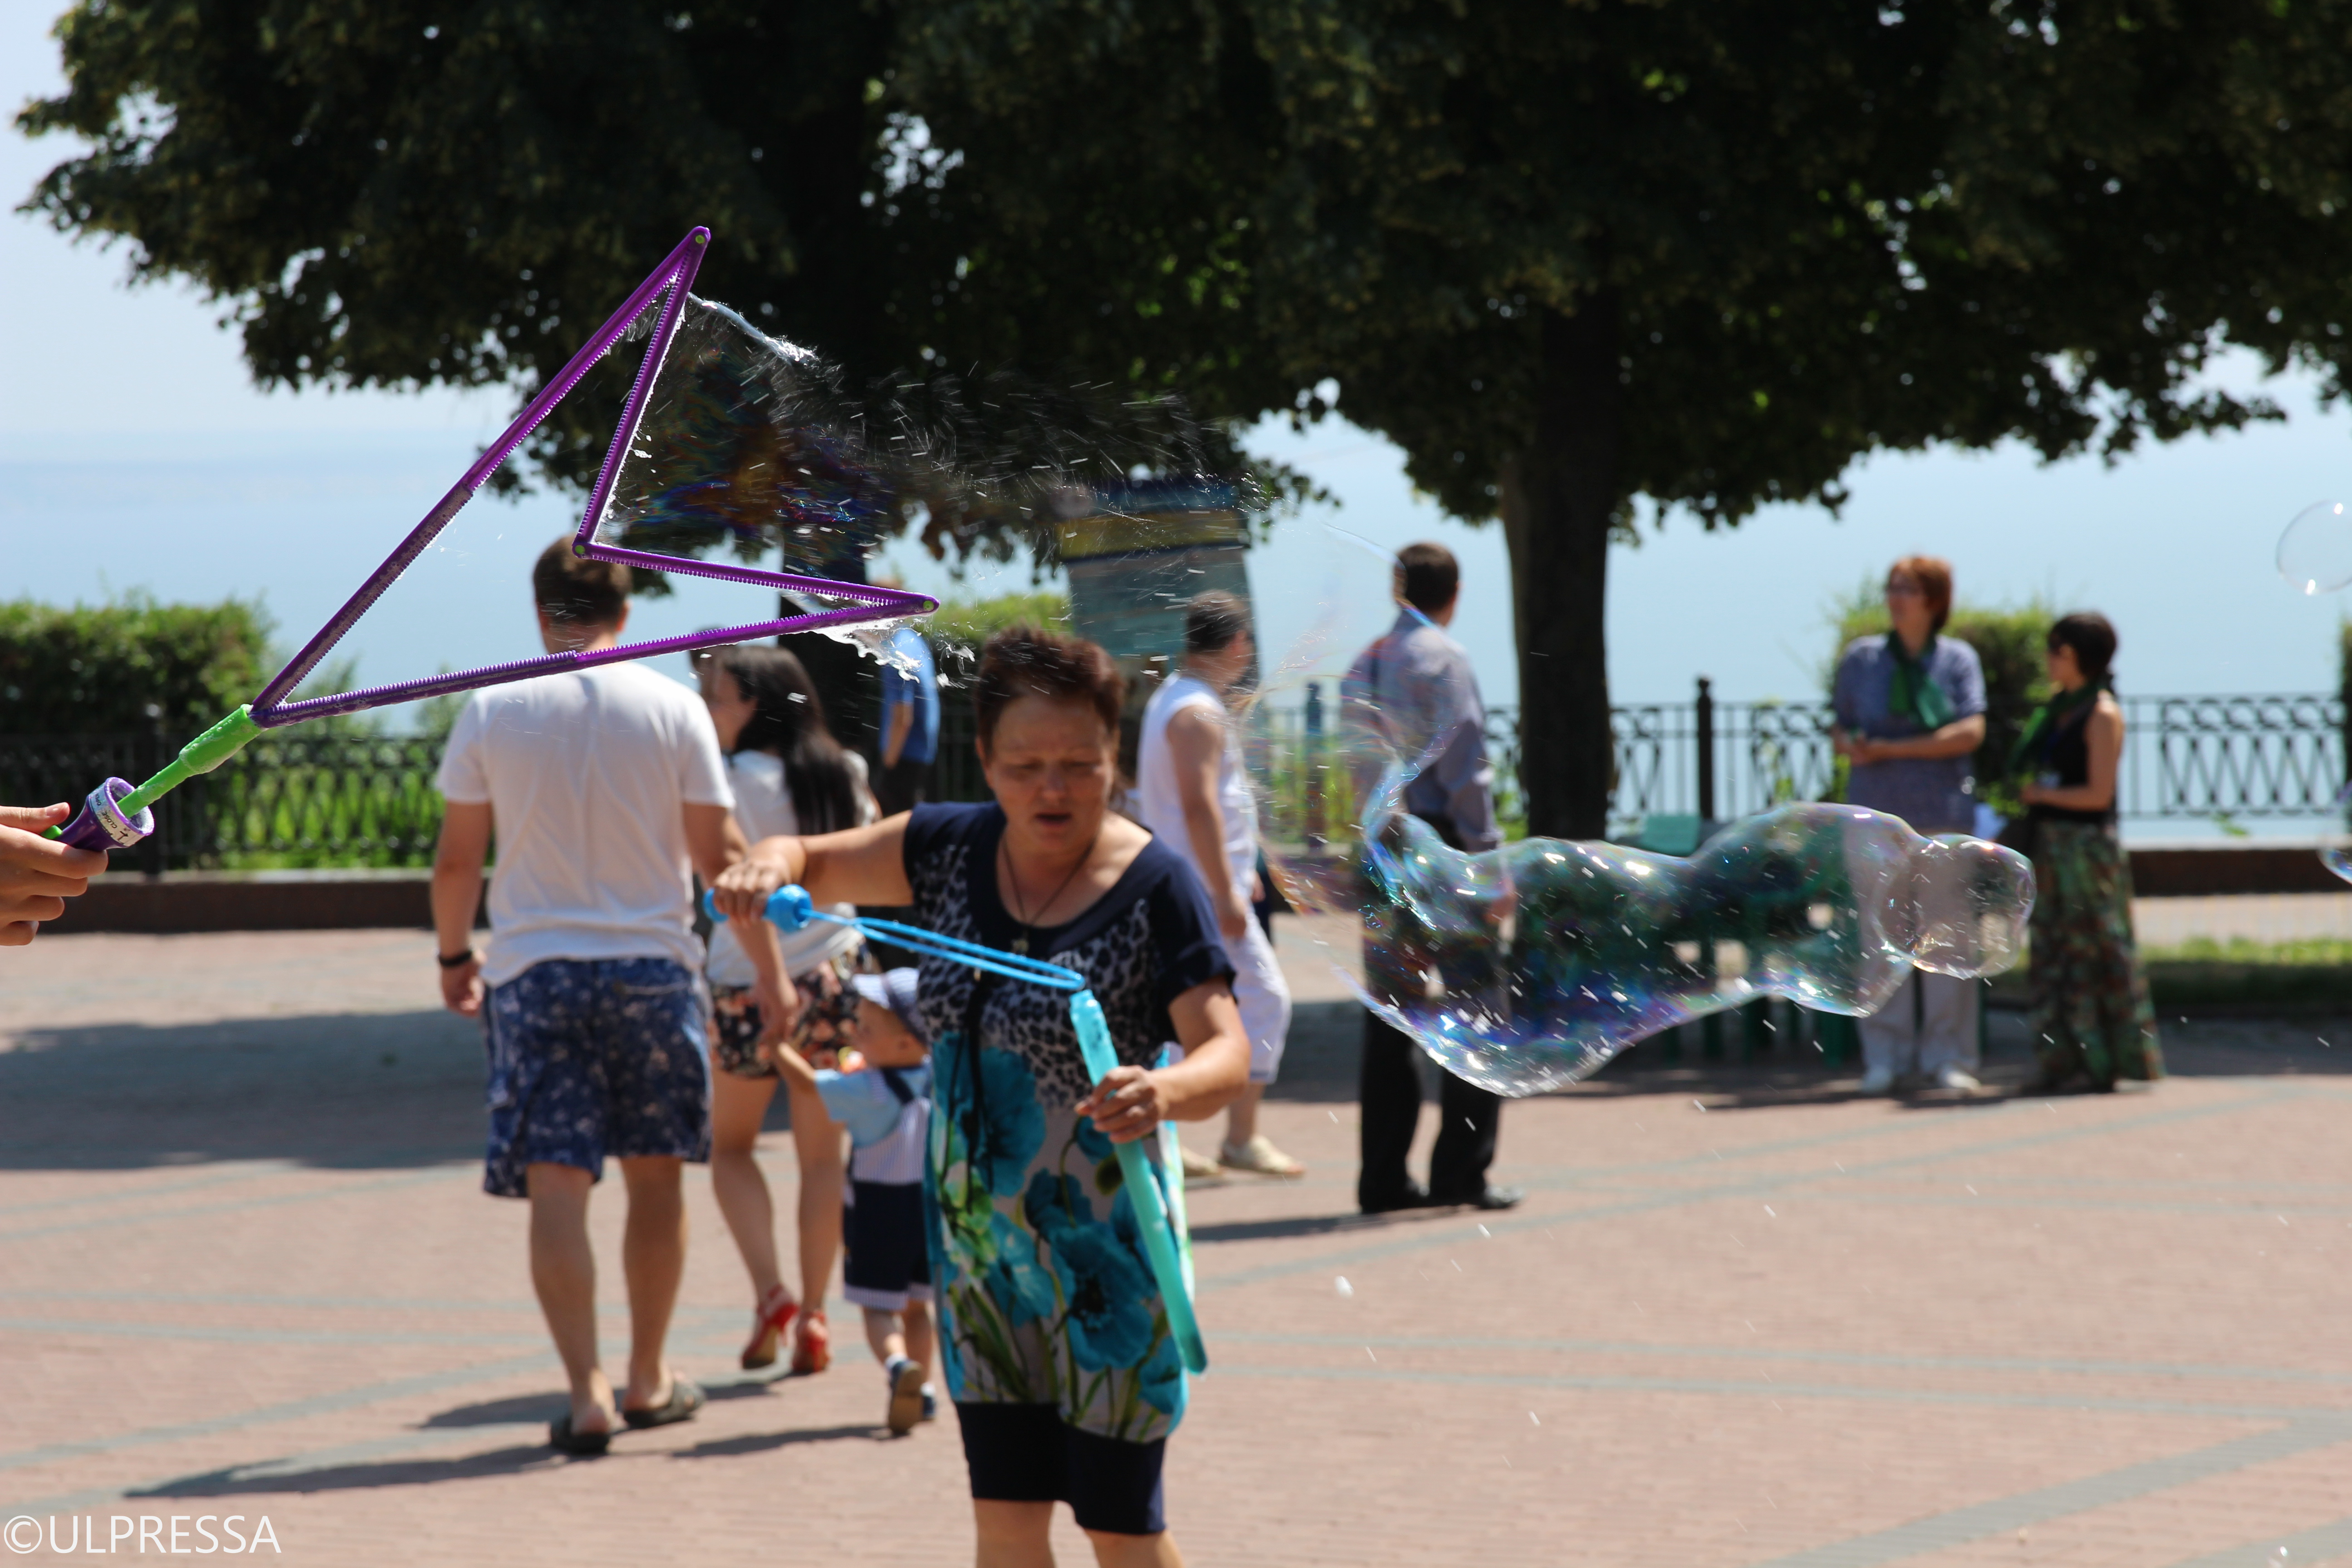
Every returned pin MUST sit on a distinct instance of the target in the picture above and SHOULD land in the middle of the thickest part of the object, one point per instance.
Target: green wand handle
(115, 816)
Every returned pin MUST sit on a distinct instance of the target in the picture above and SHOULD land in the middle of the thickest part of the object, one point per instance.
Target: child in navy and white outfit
(883, 1095)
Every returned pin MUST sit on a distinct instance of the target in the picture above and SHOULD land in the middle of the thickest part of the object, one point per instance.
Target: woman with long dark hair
(2092, 1023)
(790, 776)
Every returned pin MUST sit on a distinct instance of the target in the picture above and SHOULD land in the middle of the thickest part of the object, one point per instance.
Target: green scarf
(2047, 719)
(1912, 691)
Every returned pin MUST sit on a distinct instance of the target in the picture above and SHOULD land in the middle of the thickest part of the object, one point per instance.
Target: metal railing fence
(296, 799)
(2186, 758)
(287, 800)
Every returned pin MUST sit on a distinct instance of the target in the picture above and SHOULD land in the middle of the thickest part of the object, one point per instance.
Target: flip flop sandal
(579, 1444)
(684, 1400)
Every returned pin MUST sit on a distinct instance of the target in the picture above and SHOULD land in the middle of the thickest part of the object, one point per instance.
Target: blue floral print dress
(1044, 1294)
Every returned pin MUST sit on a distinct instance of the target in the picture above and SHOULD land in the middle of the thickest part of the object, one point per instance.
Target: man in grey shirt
(1416, 686)
(1910, 715)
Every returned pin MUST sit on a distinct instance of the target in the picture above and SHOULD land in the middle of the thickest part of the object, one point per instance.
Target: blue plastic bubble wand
(790, 907)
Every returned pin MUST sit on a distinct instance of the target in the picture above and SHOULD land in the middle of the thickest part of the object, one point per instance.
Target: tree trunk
(1559, 497)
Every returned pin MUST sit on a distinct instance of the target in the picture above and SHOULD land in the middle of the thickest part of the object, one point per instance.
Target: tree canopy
(411, 194)
(1565, 255)
(1570, 255)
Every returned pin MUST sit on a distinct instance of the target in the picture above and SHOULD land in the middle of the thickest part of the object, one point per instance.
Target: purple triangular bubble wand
(117, 816)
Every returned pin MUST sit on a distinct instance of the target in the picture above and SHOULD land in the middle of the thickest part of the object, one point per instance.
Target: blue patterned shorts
(595, 1056)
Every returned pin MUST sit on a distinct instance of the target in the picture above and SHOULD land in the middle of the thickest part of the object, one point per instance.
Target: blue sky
(136, 454)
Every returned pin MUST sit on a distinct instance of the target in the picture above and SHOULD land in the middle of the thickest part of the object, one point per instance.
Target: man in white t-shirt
(1191, 794)
(604, 788)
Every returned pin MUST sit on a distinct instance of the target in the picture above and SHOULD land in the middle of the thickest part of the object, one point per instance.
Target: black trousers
(903, 785)
(1390, 1106)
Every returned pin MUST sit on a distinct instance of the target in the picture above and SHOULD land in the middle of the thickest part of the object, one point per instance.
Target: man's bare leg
(653, 1257)
(563, 1273)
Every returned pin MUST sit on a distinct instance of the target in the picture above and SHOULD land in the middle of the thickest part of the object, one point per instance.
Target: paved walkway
(1743, 1317)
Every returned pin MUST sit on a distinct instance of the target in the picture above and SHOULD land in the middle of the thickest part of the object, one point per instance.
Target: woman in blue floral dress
(1058, 1349)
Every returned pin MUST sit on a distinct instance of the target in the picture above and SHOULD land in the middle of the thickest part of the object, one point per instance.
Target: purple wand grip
(100, 825)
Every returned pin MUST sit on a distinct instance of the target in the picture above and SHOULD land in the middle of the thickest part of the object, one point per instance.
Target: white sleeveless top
(764, 806)
(1162, 810)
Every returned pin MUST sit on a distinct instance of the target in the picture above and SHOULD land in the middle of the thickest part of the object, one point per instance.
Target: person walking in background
(1910, 715)
(1191, 792)
(1417, 685)
(604, 789)
(910, 722)
(2092, 1023)
(789, 775)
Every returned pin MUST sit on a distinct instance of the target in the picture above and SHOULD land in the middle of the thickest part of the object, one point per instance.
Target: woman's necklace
(1012, 880)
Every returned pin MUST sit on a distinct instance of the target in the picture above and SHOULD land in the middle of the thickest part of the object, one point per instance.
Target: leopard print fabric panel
(1030, 1020)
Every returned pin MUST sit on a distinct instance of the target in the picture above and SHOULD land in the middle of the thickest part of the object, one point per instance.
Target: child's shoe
(930, 1402)
(906, 1407)
(812, 1346)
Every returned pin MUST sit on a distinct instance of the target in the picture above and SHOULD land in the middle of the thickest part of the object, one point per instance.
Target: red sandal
(812, 1346)
(770, 1319)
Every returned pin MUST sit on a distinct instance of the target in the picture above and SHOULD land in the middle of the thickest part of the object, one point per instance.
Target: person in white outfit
(1191, 795)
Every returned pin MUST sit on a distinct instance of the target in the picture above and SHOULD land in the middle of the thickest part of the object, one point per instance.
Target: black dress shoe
(1413, 1196)
(1489, 1198)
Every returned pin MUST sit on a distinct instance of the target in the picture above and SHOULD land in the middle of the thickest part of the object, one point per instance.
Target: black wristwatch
(457, 961)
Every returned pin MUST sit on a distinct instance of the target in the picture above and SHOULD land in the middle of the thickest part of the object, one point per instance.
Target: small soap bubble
(2314, 553)
(1342, 1285)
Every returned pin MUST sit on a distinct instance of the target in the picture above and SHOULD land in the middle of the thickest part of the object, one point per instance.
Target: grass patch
(2239, 975)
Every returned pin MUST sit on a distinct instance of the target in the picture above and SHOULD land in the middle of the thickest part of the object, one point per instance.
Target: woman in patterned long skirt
(2091, 1021)
(1058, 1350)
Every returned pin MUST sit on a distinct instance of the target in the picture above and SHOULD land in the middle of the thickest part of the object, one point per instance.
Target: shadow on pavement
(349, 1091)
(767, 1442)
(354, 1478)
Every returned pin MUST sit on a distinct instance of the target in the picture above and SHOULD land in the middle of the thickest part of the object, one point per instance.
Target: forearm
(457, 894)
(1206, 1081)
(1204, 831)
(902, 724)
(1957, 739)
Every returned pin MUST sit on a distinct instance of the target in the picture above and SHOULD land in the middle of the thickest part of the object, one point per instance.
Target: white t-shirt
(586, 774)
(1163, 809)
(763, 804)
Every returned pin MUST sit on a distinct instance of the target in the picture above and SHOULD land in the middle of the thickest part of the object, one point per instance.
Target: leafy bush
(2009, 644)
(95, 669)
(960, 627)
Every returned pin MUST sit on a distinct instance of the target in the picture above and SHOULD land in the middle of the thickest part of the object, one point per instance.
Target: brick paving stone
(1742, 1318)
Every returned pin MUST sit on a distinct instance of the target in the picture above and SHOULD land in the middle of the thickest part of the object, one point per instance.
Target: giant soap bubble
(1528, 966)
(2314, 553)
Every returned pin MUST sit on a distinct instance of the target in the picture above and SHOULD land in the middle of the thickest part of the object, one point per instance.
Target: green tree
(406, 193)
(1572, 256)
(1566, 255)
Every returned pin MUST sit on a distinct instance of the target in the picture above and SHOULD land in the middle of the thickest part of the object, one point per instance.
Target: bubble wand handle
(1143, 1193)
(116, 816)
(790, 907)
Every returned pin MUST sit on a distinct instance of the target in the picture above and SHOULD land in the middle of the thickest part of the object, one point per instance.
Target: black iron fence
(287, 800)
(296, 799)
(2259, 756)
